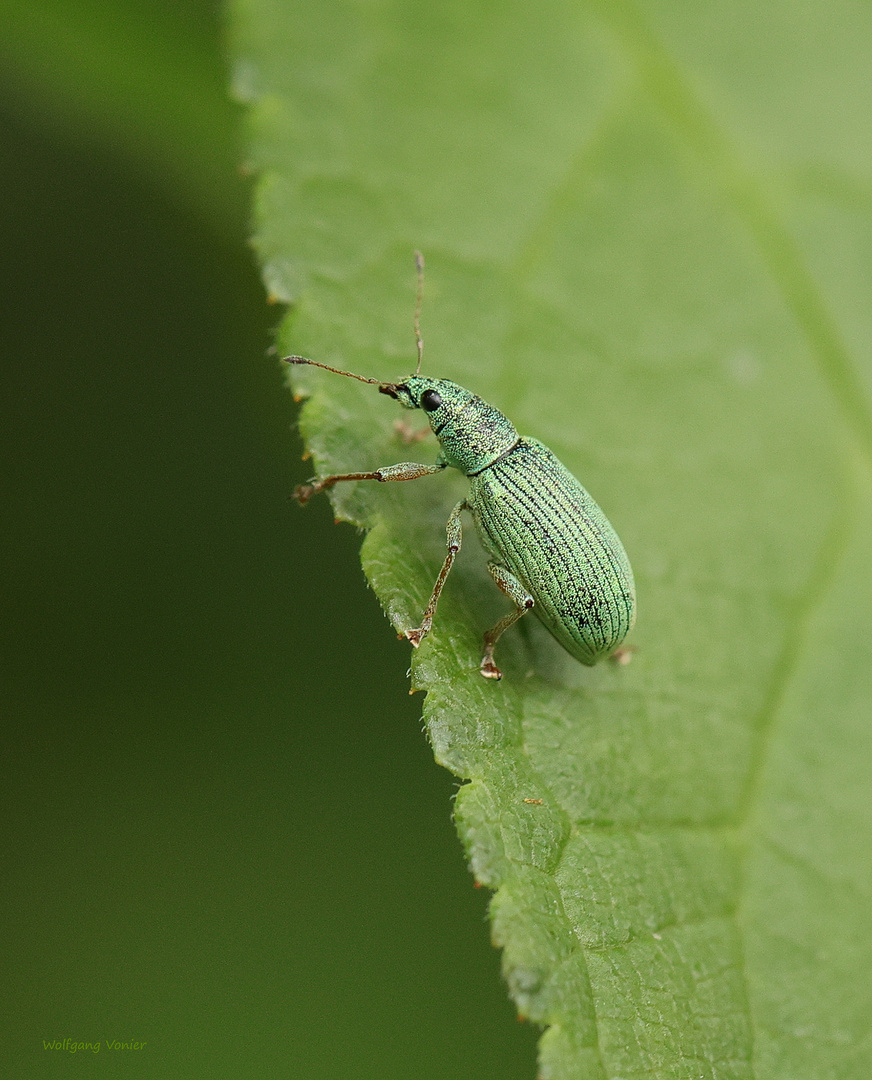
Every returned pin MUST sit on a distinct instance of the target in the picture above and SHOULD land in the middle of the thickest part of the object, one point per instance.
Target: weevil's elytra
(552, 550)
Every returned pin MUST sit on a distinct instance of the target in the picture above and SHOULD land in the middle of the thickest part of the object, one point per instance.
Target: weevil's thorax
(473, 434)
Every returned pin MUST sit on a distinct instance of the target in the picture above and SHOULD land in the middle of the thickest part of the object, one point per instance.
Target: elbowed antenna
(419, 342)
(335, 370)
(388, 388)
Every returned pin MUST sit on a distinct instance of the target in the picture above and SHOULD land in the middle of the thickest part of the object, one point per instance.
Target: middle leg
(454, 532)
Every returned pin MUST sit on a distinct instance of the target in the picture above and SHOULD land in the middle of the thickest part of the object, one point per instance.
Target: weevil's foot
(489, 669)
(303, 493)
(623, 655)
(416, 636)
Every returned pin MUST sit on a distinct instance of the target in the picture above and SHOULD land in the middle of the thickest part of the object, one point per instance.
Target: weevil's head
(472, 433)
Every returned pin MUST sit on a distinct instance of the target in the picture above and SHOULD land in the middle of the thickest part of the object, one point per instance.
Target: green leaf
(648, 239)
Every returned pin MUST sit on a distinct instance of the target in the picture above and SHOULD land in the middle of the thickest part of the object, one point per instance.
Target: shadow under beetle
(552, 550)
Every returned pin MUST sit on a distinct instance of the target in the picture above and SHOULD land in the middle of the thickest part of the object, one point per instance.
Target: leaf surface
(648, 239)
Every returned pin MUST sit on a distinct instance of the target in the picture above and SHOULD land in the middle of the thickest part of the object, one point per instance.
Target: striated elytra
(552, 550)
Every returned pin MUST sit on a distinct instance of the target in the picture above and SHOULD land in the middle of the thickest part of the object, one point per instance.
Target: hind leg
(513, 588)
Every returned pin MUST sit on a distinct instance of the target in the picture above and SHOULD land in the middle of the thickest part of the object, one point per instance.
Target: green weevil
(552, 550)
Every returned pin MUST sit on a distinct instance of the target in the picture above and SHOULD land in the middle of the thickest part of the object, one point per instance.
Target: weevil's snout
(400, 392)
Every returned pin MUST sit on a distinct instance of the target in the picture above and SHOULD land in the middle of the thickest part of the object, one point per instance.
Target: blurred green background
(224, 834)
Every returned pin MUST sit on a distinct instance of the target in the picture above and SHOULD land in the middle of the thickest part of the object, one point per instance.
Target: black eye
(430, 401)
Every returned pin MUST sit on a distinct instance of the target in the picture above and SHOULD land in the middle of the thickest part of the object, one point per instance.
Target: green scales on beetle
(552, 550)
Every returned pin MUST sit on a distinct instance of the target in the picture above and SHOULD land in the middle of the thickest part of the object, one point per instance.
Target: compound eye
(430, 401)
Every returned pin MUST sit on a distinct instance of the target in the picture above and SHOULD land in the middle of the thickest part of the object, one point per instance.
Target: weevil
(552, 550)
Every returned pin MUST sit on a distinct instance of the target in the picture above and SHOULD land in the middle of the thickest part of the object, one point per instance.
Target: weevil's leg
(623, 655)
(515, 591)
(408, 434)
(454, 533)
(305, 491)
(405, 470)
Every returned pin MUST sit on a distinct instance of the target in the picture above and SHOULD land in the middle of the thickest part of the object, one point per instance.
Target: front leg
(454, 532)
(405, 470)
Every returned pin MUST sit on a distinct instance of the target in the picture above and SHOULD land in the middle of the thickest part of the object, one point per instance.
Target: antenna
(336, 371)
(419, 266)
